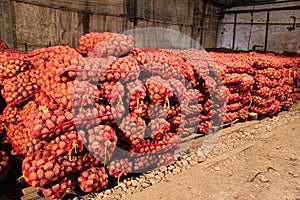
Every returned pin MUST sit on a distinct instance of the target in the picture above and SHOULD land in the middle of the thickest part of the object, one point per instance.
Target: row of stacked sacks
(81, 118)
(275, 84)
(264, 83)
(238, 80)
(206, 86)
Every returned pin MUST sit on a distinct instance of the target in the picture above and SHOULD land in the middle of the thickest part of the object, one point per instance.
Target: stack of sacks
(238, 81)
(75, 119)
(273, 84)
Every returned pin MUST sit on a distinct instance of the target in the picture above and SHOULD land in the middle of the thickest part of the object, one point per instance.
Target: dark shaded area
(10, 188)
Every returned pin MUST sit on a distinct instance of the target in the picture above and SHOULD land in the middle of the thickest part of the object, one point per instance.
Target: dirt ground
(267, 166)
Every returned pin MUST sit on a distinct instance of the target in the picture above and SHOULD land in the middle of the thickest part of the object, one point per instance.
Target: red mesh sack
(271, 73)
(230, 117)
(263, 81)
(92, 68)
(132, 129)
(159, 90)
(60, 189)
(73, 94)
(111, 92)
(165, 65)
(101, 142)
(125, 68)
(63, 66)
(68, 144)
(136, 95)
(93, 179)
(165, 159)
(38, 170)
(204, 127)
(109, 114)
(13, 64)
(89, 41)
(157, 128)
(170, 142)
(198, 61)
(120, 167)
(40, 57)
(116, 45)
(234, 107)
(22, 141)
(261, 102)
(143, 162)
(11, 114)
(21, 87)
(49, 121)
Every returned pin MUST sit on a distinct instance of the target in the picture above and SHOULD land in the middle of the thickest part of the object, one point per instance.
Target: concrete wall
(168, 14)
(251, 28)
(39, 22)
(211, 22)
(7, 23)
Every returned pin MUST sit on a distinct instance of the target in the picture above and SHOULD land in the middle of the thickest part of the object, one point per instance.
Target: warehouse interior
(266, 25)
(149, 99)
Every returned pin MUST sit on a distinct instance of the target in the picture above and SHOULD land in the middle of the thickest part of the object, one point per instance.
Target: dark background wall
(40, 22)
